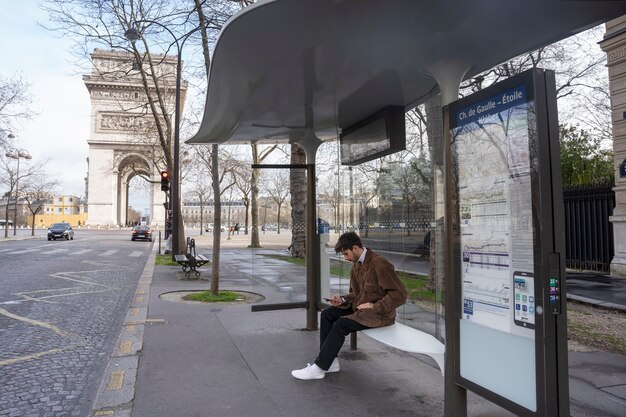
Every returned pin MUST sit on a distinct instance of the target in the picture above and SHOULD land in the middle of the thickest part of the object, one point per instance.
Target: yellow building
(61, 208)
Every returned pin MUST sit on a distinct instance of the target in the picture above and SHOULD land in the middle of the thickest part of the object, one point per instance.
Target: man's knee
(345, 326)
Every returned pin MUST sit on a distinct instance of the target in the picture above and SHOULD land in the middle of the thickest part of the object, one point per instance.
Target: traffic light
(165, 181)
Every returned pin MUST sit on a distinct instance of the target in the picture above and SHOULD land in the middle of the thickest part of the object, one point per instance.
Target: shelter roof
(284, 67)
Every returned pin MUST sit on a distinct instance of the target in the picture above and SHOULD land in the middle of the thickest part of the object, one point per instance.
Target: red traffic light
(165, 181)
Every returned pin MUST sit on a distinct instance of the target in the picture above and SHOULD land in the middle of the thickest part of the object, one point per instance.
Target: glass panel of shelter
(367, 199)
(374, 200)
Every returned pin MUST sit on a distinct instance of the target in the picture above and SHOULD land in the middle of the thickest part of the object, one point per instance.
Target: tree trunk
(201, 216)
(254, 197)
(278, 220)
(6, 216)
(217, 221)
(434, 130)
(247, 218)
(297, 185)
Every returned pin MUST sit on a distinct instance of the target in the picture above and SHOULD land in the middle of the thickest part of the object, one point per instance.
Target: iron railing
(588, 231)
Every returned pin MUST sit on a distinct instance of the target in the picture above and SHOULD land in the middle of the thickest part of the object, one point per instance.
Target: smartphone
(343, 300)
(524, 299)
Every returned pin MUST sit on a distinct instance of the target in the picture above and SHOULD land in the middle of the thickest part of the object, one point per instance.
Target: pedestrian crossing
(47, 250)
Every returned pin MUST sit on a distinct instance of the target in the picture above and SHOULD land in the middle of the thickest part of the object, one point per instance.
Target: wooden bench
(408, 339)
(191, 260)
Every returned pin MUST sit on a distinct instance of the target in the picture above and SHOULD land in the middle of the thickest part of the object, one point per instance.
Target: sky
(60, 129)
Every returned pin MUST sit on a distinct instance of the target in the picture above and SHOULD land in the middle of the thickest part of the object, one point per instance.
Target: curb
(117, 388)
(596, 303)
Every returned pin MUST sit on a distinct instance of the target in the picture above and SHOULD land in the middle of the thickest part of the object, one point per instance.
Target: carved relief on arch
(119, 95)
(123, 122)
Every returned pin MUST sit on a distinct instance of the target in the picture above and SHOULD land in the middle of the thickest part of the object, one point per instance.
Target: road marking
(139, 299)
(125, 346)
(22, 251)
(36, 323)
(130, 328)
(116, 381)
(50, 252)
(29, 357)
(31, 321)
(80, 252)
(109, 252)
(4, 250)
(103, 413)
(135, 311)
(136, 254)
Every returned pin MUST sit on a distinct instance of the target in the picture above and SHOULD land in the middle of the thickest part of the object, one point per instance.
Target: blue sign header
(492, 105)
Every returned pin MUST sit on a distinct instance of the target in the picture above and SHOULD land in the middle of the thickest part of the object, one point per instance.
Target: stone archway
(131, 166)
(120, 142)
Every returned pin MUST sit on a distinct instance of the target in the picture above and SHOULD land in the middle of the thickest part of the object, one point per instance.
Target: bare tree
(243, 173)
(258, 156)
(10, 178)
(157, 25)
(37, 191)
(200, 188)
(297, 188)
(15, 106)
(278, 189)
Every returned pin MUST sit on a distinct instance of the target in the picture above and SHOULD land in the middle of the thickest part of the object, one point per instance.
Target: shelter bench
(408, 339)
(190, 260)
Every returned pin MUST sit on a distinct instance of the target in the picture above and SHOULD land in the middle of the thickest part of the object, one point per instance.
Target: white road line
(22, 251)
(109, 252)
(80, 252)
(4, 250)
(50, 252)
(136, 254)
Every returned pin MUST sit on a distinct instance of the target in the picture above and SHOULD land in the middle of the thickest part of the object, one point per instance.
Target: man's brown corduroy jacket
(375, 281)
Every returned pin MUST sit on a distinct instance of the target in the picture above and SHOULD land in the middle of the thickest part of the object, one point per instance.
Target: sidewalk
(223, 360)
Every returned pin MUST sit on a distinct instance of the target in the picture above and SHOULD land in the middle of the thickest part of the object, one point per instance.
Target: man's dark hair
(347, 241)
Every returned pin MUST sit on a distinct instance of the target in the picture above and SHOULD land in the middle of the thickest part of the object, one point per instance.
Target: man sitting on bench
(375, 294)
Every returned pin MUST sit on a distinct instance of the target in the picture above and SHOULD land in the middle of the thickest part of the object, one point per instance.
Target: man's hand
(336, 300)
(365, 306)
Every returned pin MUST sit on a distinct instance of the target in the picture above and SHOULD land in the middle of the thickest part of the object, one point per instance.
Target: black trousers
(333, 331)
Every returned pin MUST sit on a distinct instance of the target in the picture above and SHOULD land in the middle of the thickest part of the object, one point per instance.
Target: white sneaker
(310, 372)
(334, 367)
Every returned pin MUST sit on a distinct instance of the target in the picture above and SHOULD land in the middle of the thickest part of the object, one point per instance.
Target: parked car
(61, 231)
(141, 232)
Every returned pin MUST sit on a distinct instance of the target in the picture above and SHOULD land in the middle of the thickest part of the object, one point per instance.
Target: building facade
(122, 142)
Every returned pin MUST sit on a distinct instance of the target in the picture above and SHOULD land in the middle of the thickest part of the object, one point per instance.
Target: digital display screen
(378, 135)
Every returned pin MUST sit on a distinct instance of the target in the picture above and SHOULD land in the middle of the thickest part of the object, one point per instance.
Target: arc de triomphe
(120, 145)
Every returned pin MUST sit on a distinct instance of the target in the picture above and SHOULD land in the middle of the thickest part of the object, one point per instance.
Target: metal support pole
(312, 252)
(455, 396)
(17, 179)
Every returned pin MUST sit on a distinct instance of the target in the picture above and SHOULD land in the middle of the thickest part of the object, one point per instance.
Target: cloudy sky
(59, 130)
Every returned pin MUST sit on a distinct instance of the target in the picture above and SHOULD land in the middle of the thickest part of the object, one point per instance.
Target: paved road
(61, 308)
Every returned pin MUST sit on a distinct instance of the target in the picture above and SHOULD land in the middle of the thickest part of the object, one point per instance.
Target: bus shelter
(296, 71)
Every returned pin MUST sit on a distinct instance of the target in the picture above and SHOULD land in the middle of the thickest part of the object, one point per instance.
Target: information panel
(491, 140)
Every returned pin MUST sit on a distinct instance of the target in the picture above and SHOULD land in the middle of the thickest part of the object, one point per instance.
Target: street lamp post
(16, 154)
(133, 34)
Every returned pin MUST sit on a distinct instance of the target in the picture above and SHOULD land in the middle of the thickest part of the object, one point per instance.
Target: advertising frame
(535, 191)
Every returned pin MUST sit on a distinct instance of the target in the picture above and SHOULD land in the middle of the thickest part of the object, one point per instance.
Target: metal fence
(588, 231)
